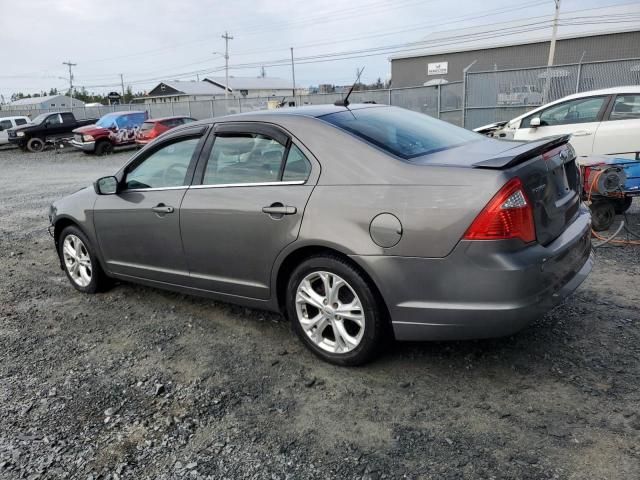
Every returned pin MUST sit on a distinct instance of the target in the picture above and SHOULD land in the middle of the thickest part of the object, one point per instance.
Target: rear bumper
(482, 289)
(84, 146)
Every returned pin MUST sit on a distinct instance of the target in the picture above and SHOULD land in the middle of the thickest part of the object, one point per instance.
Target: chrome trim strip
(158, 189)
(257, 184)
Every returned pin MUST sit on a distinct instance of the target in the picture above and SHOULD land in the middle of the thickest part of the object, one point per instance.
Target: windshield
(108, 120)
(40, 118)
(402, 133)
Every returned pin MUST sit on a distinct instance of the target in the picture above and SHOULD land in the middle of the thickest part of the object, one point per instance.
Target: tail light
(153, 133)
(507, 215)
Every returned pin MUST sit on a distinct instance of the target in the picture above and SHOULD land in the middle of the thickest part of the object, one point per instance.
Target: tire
(622, 205)
(338, 340)
(85, 279)
(35, 144)
(603, 214)
(104, 147)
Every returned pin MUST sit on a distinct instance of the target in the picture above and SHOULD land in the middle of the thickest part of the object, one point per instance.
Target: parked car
(604, 122)
(46, 127)
(7, 123)
(156, 126)
(118, 129)
(360, 224)
(521, 95)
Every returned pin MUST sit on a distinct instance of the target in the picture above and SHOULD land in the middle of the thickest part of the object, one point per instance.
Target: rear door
(253, 188)
(578, 117)
(5, 124)
(139, 227)
(619, 133)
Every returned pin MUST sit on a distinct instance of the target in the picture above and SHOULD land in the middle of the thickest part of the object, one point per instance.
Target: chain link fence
(481, 98)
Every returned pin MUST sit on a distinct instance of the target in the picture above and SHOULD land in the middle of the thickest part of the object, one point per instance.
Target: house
(242, 87)
(182, 91)
(43, 103)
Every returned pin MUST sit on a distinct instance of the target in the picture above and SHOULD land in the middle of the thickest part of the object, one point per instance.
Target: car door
(5, 125)
(53, 125)
(619, 133)
(579, 117)
(138, 228)
(253, 188)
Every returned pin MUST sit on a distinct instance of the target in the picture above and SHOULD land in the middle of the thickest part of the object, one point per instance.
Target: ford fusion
(360, 224)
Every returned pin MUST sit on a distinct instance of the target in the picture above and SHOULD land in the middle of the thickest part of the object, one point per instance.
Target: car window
(297, 167)
(68, 117)
(54, 120)
(581, 110)
(20, 121)
(166, 167)
(400, 132)
(4, 124)
(243, 158)
(625, 107)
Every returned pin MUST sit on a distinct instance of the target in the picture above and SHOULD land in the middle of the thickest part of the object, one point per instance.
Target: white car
(605, 122)
(9, 122)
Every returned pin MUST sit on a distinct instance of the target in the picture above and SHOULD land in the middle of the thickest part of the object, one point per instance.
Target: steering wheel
(174, 175)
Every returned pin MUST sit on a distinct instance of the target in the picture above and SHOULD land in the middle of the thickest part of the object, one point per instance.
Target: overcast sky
(147, 40)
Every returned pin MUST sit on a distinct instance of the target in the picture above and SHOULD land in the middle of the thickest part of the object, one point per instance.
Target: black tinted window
(67, 117)
(21, 121)
(401, 132)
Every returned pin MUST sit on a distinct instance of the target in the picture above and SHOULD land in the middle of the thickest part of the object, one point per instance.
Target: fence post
(439, 99)
(579, 73)
(464, 92)
(171, 108)
(189, 106)
(389, 95)
(239, 105)
(212, 112)
(85, 112)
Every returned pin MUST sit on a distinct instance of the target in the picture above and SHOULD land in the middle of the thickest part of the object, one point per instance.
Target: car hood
(92, 129)
(24, 127)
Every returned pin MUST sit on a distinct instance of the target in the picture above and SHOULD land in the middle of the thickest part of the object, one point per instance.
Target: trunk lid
(551, 179)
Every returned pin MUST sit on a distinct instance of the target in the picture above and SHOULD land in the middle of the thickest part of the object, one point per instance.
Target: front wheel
(80, 262)
(104, 147)
(334, 311)
(35, 145)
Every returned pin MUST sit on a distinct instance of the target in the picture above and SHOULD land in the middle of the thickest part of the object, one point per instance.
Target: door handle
(278, 209)
(581, 133)
(162, 208)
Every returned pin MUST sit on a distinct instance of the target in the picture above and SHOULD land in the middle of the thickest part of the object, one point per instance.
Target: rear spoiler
(523, 152)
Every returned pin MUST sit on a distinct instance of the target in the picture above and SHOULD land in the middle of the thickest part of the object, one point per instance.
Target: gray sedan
(360, 224)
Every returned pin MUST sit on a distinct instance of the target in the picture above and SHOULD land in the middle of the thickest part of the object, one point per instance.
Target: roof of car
(162, 119)
(307, 110)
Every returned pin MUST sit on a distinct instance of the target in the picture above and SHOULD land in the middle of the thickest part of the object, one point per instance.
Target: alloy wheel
(77, 260)
(330, 312)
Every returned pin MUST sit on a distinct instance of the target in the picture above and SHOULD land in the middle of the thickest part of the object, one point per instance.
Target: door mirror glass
(106, 185)
(535, 122)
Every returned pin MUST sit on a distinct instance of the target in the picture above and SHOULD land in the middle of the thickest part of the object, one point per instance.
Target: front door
(579, 117)
(247, 209)
(139, 227)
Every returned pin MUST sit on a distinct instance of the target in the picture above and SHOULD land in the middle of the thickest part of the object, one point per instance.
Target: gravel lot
(141, 383)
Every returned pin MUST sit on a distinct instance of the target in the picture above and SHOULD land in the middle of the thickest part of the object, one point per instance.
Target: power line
(70, 65)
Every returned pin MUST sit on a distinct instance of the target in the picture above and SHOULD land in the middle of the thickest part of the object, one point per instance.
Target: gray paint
(410, 72)
(218, 243)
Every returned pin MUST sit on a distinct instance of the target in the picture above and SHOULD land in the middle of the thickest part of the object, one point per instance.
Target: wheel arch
(65, 221)
(296, 256)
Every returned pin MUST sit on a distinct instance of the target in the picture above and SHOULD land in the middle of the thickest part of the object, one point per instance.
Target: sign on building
(437, 68)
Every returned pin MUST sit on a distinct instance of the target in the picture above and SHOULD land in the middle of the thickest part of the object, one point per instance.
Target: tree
(53, 91)
(128, 95)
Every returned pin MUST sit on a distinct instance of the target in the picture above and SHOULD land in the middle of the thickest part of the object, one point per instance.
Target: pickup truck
(114, 130)
(46, 127)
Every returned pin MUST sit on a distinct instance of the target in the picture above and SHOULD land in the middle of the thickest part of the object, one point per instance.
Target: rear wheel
(602, 215)
(80, 262)
(104, 147)
(35, 144)
(334, 311)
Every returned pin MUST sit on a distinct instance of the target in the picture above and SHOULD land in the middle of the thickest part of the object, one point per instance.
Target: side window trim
(189, 177)
(607, 102)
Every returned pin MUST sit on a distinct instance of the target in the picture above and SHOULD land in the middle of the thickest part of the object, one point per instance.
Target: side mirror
(535, 122)
(106, 185)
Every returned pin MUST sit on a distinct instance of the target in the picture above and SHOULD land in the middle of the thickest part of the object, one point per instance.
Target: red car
(156, 126)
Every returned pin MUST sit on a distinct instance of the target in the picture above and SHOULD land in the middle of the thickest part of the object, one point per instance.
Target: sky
(151, 40)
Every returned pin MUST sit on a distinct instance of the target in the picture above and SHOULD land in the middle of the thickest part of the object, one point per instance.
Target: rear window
(21, 121)
(400, 132)
(146, 126)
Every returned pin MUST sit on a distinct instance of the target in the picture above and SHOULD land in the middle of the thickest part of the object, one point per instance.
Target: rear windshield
(400, 132)
(146, 126)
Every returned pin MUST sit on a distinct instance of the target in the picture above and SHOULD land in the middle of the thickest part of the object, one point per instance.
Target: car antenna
(345, 101)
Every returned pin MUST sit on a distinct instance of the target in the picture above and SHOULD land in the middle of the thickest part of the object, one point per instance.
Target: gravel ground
(141, 383)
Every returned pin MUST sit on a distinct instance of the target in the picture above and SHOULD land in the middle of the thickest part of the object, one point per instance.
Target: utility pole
(552, 46)
(122, 84)
(293, 74)
(226, 37)
(69, 64)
